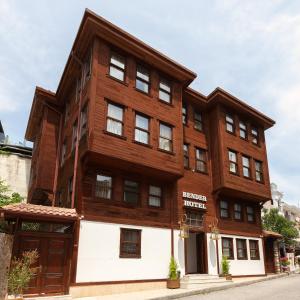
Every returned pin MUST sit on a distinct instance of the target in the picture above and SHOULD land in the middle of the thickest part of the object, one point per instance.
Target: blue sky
(250, 48)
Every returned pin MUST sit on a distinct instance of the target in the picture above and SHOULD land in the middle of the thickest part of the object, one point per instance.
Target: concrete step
(61, 297)
(198, 280)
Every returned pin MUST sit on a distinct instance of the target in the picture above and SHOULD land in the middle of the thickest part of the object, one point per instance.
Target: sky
(249, 48)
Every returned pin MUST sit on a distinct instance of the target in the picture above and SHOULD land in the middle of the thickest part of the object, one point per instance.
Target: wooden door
(201, 253)
(52, 265)
(269, 256)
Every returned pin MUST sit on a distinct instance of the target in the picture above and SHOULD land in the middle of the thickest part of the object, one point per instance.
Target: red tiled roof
(268, 233)
(26, 209)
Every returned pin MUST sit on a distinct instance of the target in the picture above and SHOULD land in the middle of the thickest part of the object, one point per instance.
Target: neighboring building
(134, 150)
(276, 201)
(2, 135)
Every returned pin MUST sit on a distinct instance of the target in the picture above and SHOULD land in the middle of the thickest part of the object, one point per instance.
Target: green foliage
(21, 272)
(5, 197)
(225, 265)
(173, 269)
(273, 221)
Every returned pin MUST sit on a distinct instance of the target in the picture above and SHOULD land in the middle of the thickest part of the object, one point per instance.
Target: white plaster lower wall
(179, 252)
(243, 267)
(212, 256)
(192, 254)
(98, 253)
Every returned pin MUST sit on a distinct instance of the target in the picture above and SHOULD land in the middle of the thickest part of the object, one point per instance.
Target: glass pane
(115, 112)
(165, 144)
(224, 204)
(103, 186)
(229, 119)
(200, 154)
(226, 252)
(232, 156)
(198, 125)
(246, 161)
(164, 85)
(185, 148)
(46, 227)
(114, 127)
(258, 176)
(226, 243)
(242, 125)
(117, 73)
(237, 215)
(224, 213)
(242, 134)
(130, 197)
(142, 73)
(141, 122)
(254, 132)
(130, 236)
(154, 201)
(118, 60)
(229, 127)
(241, 253)
(258, 166)
(164, 96)
(142, 86)
(250, 210)
(141, 136)
(237, 207)
(200, 166)
(130, 248)
(232, 168)
(165, 131)
(246, 172)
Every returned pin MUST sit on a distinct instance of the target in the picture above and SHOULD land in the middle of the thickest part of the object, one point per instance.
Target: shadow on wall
(180, 251)
(212, 254)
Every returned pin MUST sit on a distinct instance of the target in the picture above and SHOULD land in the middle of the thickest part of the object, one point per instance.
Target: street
(286, 288)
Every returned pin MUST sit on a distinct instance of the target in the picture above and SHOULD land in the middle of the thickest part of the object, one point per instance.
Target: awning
(271, 234)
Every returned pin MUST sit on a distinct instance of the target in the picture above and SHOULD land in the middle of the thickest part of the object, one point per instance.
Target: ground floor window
(254, 250)
(227, 247)
(241, 249)
(130, 243)
(194, 219)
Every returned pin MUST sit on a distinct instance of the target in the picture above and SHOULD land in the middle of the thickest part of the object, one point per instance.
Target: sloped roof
(268, 233)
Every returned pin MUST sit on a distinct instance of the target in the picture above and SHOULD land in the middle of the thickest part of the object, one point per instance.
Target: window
(237, 211)
(165, 137)
(229, 123)
(63, 153)
(117, 66)
(184, 114)
(224, 209)
(241, 249)
(243, 130)
(254, 250)
(198, 122)
(227, 248)
(141, 133)
(142, 79)
(130, 243)
(155, 196)
(103, 187)
(70, 191)
(246, 166)
(186, 162)
(233, 166)
(164, 93)
(254, 135)
(78, 90)
(250, 214)
(258, 171)
(194, 218)
(74, 135)
(83, 121)
(201, 160)
(131, 192)
(87, 68)
(114, 119)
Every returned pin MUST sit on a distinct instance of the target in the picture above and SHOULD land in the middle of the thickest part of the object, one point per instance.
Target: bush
(173, 269)
(225, 266)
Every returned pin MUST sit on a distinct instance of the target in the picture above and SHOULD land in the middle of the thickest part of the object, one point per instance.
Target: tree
(273, 221)
(7, 198)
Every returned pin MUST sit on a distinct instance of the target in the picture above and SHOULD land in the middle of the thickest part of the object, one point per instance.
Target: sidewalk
(164, 294)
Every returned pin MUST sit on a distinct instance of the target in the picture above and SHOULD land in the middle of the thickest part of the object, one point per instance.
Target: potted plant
(226, 268)
(173, 281)
(285, 264)
(21, 272)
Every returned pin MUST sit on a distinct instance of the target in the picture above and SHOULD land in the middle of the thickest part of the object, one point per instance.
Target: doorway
(196, 258)
(269, 255)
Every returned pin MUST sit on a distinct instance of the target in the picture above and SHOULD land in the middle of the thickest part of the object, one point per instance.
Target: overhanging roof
(268, 233)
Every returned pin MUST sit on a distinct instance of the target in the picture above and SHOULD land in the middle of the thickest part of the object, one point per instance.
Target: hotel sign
(189, 197)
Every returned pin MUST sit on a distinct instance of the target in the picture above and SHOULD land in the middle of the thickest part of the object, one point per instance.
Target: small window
(246, 166)
(184, 114)
(131, 192)
(254, 135)
(165, 91)
(229, 123)
(114, 119)
(117, 66)
(224, 209)
(233, 166)
(186, 160)
(83, 121)
(78, 90)
(74, 135)
(141, 133)
(103, 187)
(165, 137)
(201, 160)
(238, 212)
(254, 250)
(227, 248)
(250, 214)
(258, 171)
(198, 121)
(243, 130)
(142, 81)
(130, 243)
(87, 68)
(63, 153)
(241, 249)
(194, 219)
(155, 196)
(70, 191)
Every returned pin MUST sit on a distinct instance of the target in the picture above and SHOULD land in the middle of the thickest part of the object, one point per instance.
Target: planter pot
(173, 283)
(228, 277)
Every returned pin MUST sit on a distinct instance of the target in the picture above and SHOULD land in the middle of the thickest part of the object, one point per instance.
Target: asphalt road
(286, 288)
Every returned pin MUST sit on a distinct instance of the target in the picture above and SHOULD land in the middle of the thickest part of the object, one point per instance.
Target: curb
(220, 288)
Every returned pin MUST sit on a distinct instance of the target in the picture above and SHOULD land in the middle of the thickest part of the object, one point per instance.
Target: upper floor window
(230, 123)
(243, 130)
(114, 122)
(131, 192)
(117, 66)
(70, 191)
(155, 196)
(63, 153)
(227, 247)
(201, 160)
(246, 166)
(130, 243)
(241, 249)
(83, 121)
(198, 121)
(165, 91)
(250, 213)
(186, 162)
(224, 209)
(142, 81)
(141, 133)
(184, 114)
(233, 166)
(74, 135)
(165, 137)
(254, 249)
(237, 211)
(103, 187)
(254, 135)
(258, 171)
(87, 68)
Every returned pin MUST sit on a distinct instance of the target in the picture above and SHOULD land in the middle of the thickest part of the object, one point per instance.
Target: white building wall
(179, 252)
(212, 256)
(98, 253)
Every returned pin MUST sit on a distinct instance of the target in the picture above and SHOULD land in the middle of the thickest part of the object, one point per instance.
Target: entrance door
(52, 265)
(201, 250)
(269, 256)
